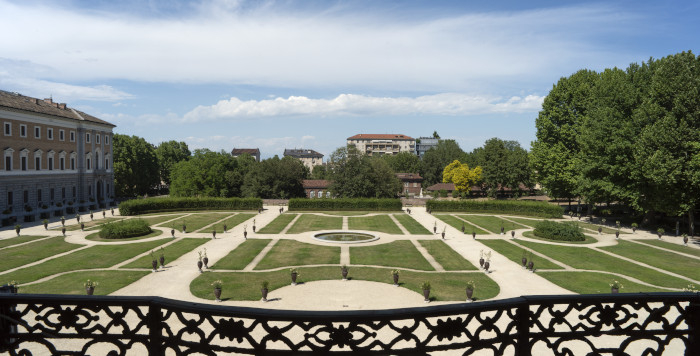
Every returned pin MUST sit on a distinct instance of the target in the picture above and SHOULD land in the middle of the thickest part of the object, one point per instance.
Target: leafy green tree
(404, 162)
(320, 172)
(276, 178)
(462, 177)
(208, 174)
(135, 166)
(169, 153)
(436, 158)
(504, 164)
(355, 175)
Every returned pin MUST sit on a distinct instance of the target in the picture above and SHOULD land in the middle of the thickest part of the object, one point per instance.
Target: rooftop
(315, 183)
(294, 152)
(46, 107)
(380, 137)
(240, 151)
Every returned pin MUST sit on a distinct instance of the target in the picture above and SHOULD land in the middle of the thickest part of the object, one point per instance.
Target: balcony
(644, 323)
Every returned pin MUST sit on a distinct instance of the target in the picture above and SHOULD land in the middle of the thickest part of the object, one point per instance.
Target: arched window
(311, 194)
(320, 194)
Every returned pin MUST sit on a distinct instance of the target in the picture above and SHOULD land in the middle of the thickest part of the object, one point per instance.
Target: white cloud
(448, 104)
(262, 44)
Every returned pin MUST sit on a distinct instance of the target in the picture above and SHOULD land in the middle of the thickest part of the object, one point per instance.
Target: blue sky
(221, 74)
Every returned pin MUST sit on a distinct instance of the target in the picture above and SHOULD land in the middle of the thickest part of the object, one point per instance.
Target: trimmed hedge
(156, 205)
(125, 229)
(304, 204)
(516, 207)
(551, 230)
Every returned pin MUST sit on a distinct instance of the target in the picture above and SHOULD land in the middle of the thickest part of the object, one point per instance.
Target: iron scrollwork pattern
(620, 324)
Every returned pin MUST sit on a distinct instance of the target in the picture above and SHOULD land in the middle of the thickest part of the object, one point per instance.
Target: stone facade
(55, 159)
(254, 152)
(316, 188)
(373, 144)
(309, 158)
(410, 184)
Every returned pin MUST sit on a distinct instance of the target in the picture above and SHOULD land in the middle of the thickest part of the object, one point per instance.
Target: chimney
(62, 106)
(49, 100)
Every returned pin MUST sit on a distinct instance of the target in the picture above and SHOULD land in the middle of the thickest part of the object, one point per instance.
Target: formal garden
(266, 248)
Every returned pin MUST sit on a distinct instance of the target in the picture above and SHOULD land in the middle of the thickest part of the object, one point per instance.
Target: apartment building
(56, 160)
(382, 144)
(254, 152)
(309, 158)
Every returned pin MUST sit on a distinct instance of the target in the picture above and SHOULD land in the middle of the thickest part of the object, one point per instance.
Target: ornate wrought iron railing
(616, 324)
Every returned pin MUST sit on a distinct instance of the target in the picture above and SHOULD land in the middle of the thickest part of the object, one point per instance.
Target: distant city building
(56, 159)
(316, 188)
(382, 144)
(309, 158)
(254, 152)
(410, 183)
(423, 144)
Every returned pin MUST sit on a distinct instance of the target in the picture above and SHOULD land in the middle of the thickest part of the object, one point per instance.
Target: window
(61, 135)
(87, 163)
(106, 140)
(8, 129)
(97, 139)
(312, 194)
(37, 163)
(106, 163)
(74, 192)
(22, 130)
(72, 136)
(72, 163)
(52, 194)
(8, 158)
(49, 133)
(62, 163)
(38, 195)
(10, 198)
(26, 196)
(87, 137)
(51, 163)
(320, 194)
(63, 193)
(24, 163)
(37, 132)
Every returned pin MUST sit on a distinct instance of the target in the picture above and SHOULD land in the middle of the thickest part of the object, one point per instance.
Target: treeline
(625, 135)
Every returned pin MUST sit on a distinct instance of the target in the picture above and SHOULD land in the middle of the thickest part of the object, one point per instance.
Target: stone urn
(502, 230)
(264, 291)
(162, 261)
(154, 264)
(426, 295)
(63, 231)
(82, 227)
(470, 293)
(531, 265)
(46, 225)
(225, 228)
(245, 234)
(614, 290)
(206, 261)
(487, 264)
(213, 234)
(481, 262)
(89, 290)
(217, 294)
(344, 272)
(172, 232)
(512, 234)
(91, 215)
(600, 230)
(617, 234)
(462, 228)
(474, 235)
(199, 266)
(524, 260)
(685, 240)
(294, 278)
(112, 211)
(443, 235)
(396, 279)
(434, 229)
(104, 214)
(253, 228)
(184, 228)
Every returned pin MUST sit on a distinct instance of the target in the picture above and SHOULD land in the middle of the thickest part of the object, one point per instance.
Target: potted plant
(82, 226)
(344, 272)
(77, 217)
(91, 215)
(205, 259)
(395, 276)
(245, 232)
(264, 288)
(425, 286)
(634, 227)
(46, 224)
(470, 290)
(14, 287)
(524, 259)
(172, 231)
(184, 227)
(615, 286)
(481, 258)
(112, 209)
(225, 228)
(502, 229)
(443, 232)
(579, 216)
(617, 223)
(281, 210)
(685, 239)
(473, 235)
(462, 227)
(90, 287)
(660, 231)
(531, 264)
(63, 221)
(199, 261)
(435, 227)
(294, 274)
(154, 262)
(617, 234)
(63, 231)
(487, 263)
(161, 258)
(18, 227)
(217, 289)
(104, 214)
(254, 224)
(213, 233)
(512, 233)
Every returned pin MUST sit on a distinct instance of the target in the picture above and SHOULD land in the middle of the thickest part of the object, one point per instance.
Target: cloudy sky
(220, 74)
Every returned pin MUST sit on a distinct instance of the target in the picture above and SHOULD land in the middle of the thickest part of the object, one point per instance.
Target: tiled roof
(240, 151)
(442, 186)
(408, 176)
(46, 107)
(315, 183)
(301, 153)
(380, 137)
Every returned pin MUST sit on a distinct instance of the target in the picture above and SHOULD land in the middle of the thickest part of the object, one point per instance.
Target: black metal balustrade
(615, 324)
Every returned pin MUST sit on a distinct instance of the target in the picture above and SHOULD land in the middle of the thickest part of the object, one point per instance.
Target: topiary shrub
(303, 204)
(559, 231)
(125, 229)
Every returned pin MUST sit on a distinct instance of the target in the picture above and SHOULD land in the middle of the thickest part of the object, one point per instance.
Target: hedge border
(344, 204)
(551, 230)
(156, 205)
(515, 207)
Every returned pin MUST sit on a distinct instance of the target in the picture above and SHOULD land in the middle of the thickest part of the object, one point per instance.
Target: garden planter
(614, 290)
(184, 229)
(634, 229)
(63, 231)
(104, 214)
(294, 278)
(530, 266)
(253, 228)
(199, 265)
(512, 234)
(213, 234)
(112, 211)
(396, 279)
(206, 262)
(225, 228)
(502, 230)
(344, 272)
(462, 228)
(217, 294)
(524, 260)
(90, 216)
(90, 290)
(443, 235)
(17, 230)
(263, 291)
(154, 264)
(685, 240)
(426, 295)
(659, 236)
(281, 210)
(245, 235)
(617, 234)
(470, 293)
(481, 262)
(82, 227)
(63, 222)
(434, 229)
(600, 230)
(474, 235)
(162, 261)
(172, 232)
(486, 266)
(46, 226)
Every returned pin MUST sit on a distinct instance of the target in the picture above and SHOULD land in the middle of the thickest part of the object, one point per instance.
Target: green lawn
(195, 222)
(448, 258)
(669, 261)
(492, 223)
(294, 253)
(246, 285)
(515, 254)
(589, 239)
(400, 253)
(157, 220)
(594, 283)
(18, 256)
(18, 240)
(73, 283)
(671, 246)
(594, 227)
(311, 222)
(380, 223)
(171, 252)
(242, 255)
(88, 223)
(276, 226)
(457, 224)
(96, 237)
(231, 222)
(588, 259)
(526, 222)
(101, 256)
(411, 225)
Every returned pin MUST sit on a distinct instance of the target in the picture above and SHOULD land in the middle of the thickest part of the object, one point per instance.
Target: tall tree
(169, 153)
(276, 178)
(462, 177)
(504, 164)
(206, 173)
(135, 165)
(436, 158)
(404, 162)
(356, 175)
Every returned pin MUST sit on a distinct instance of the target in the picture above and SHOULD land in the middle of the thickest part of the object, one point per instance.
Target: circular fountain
(345, 237)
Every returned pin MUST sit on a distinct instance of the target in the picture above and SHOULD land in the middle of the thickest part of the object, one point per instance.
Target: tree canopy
(135, 166)
(462, 177)
(356, 175)
(169, 153)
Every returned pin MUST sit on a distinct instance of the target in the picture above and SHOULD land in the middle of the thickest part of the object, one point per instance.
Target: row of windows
(50, 160)
(49, 133)
(52, 194)
(319, 194)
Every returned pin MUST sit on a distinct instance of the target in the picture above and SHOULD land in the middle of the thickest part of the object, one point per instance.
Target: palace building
(56, 160)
